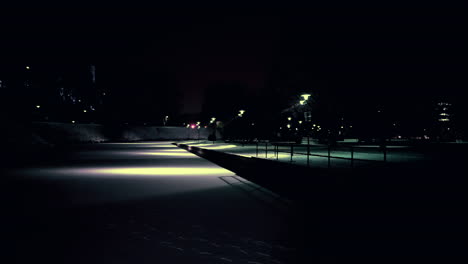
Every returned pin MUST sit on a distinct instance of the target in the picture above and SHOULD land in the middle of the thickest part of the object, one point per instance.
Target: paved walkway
(147, 202)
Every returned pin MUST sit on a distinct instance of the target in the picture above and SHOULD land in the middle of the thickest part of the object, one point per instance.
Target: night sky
(170, 56)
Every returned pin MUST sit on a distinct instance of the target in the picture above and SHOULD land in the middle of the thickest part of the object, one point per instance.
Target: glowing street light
(38, 106)
(84, 111)
(300, 121)
(289, 118)
(305, 96)
(28, 68)
(288, 125)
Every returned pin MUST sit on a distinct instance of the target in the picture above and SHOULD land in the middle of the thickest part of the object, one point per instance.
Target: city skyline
(158, 63)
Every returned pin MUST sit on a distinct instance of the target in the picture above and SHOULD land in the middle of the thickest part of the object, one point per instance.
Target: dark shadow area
(404, 213)
(35, 226)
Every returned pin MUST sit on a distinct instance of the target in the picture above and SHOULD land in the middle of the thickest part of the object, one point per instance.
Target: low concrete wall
(62, 133)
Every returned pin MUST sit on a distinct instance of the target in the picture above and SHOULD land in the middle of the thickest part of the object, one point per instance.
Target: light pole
(213, 125)
(305, 97)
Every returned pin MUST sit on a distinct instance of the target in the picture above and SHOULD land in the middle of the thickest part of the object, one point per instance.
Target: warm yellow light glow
(27, 68)
(300, 121)
(38, 106)
(241, 112)
(444, 119)
(302, 102)
(148, 144)
(139, 171)
(289, 118)
(305, 96)
(221, 147)
(84, 111)
(73, 121)
(166, 154)
(188, 142)
(288, 125)
(161, 171)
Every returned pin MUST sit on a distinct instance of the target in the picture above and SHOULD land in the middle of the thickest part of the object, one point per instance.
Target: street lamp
(38, 106)
(305, 96)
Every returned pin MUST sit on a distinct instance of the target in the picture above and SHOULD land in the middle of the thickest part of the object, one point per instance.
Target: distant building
(443, 122)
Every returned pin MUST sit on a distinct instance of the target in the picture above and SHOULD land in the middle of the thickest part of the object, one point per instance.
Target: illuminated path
(141, 203)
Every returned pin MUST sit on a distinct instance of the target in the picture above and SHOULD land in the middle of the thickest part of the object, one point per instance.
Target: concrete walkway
(147, 202)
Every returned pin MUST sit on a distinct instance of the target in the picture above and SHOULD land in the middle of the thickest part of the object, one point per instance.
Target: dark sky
(361, 54)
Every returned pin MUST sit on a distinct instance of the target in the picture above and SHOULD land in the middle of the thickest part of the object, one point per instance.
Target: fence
(325, 151)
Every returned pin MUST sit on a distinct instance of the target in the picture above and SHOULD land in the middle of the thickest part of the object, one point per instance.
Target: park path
(144, 202)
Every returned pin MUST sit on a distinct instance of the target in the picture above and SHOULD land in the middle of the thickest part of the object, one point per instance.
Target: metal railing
(308, 150)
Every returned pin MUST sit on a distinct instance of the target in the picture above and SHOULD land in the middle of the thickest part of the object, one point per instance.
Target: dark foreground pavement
(138, 203)
(404, 213)
(156, 203)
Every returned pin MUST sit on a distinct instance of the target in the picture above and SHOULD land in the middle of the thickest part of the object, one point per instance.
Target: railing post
(292, 149)
(352, 157)
(384, 153)
(329, 150)
(257, 150)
